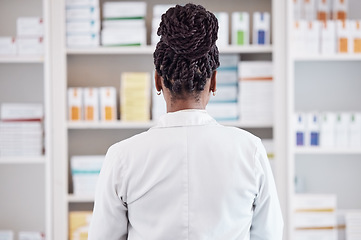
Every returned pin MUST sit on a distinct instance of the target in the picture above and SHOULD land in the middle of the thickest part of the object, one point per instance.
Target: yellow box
(79, 225)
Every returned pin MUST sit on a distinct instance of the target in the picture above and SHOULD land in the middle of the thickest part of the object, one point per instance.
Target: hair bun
(190, 31)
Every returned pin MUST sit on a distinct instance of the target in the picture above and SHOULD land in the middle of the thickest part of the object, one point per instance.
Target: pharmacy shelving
(26, 182)
(321, 83)
(101, 66)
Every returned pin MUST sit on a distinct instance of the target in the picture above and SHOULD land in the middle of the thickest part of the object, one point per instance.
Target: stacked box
(256, 91)
(85, 172)
(21, 130)
(224, 105)
(158, 11)
(8, 46)
(353, 225)
(135, 96)
(124, 24)
(315, 217)
(31, 235)
(79, 223)
(30, 34)
(82, 23)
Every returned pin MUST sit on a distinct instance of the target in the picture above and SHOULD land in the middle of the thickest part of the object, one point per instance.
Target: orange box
(75, 104)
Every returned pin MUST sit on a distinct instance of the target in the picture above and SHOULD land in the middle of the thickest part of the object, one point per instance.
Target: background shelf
(21, 59)
(333, 57)
(80, 199)
(328, 150)
(22, 160)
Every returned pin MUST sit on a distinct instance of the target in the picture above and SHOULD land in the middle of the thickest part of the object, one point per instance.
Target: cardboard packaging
(344, 40)
(299, 37)
(108, 104)
(300, 128)
(223, 31)
(261, 28)
(297, 10)
(323, 10)
(30, 46)
(79, 223)
(356, 36)
(328, 37)
(223, 112)
(82, 40)
(81, 3)
(21, 111)
(30, 27)
(355, 130)
(124, 10)
(75, 104)
(83, 13)
(312, 37)
(8, 46)
(327, 132)
(126, 37)
(6, 235)
(340, 9)
(31, 236)
(91, 104)
(313, 129)
(309, 8)
(83, 26)
(240, 28)
(342, 129)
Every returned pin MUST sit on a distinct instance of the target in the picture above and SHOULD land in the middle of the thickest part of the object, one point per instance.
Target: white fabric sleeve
(267, 222)
(109, 220)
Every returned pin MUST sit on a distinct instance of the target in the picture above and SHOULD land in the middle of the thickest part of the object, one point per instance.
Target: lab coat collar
(189, 117)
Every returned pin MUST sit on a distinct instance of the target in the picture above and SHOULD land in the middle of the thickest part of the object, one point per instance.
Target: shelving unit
(26, 199)
(329, 83)
(101, 66)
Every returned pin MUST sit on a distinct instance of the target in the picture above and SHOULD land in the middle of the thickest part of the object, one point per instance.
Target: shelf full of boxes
(25, 121)
(324, 115)
(105, 71)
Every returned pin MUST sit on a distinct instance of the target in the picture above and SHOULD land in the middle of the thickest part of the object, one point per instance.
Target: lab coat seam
(187, 179)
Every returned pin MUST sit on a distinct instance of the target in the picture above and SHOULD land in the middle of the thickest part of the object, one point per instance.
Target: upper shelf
(328, 150)
(21, 59)
(22, 160)
(146, 50)
(333, 57)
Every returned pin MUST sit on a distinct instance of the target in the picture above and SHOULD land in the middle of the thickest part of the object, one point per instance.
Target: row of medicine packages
(23, 235)
(29, 38)
(328, 129)
(320, 9)
(123, 24)
(328, 37)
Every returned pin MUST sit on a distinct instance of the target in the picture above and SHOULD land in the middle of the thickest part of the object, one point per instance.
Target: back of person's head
(186, 55)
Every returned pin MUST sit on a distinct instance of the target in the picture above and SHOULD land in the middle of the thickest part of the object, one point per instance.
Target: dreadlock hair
(186, 55)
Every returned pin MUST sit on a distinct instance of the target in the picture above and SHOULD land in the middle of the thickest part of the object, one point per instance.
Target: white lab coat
(187, 178)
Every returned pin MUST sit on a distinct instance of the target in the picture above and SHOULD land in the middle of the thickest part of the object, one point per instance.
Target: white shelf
(21, 59)
(329, 150)
(333, 57)
(80, 199)
(22, 160)
(146, 125)
(147, 50)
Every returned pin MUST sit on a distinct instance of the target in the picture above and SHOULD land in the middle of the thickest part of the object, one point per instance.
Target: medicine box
(124, 10)
(6, 235)
(108, 104)
(312, 37)
(323, 10)
(240, 28)
(8, 46)
(315, 234)
(75, 104)
(356, 35)
(83, 26)
(299, 37)
(30, 46)
(227, 73)
(21, 111)
(223, 111)
(261, 28)
(353, 225)
(342, 129)
(328, 37)
(79, 222)
(30, 27)
(313, 129)
(327, 129)
(300, 128)
(91, 104)
(297, 9)
(309, 8)
(124, 37)
(344, 40)
(223, 31)
(85, 173)
(121, 24)
(31, 236)
(340, 9)
(355, 130)
(225, 93)
(83, 40)
(82, 13)
(81, 3)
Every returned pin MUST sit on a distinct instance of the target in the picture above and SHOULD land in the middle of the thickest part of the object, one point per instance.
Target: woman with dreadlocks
(188, 177)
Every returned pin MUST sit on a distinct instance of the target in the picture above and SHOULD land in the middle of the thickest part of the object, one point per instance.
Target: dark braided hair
(186, 55)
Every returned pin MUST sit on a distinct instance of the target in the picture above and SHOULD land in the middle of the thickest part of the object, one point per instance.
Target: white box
(91, 104)
(240, 28)
(227, 76)
(121, 25)
(297, 9)
(223, 31)
(24, 111)
(328, 37)
(81, 3)
(312, 37)
(115, 10)
(355, 130)
(323, 10)
(314, 220)
(30, 27)
(85, 172)
(339, 9)
(344, 39)
(356, 36)
(299, 37)
(313, 129)
(317, 234)
(75, 104)
(30, 46)
(108, 104)
(327, 132)
(300, 129)
(83, 13)
(223, 111)
(31, 236)
(341, 129)
(124, 37)
(315, 202)
(261, 28)
(83, 26)
(6, 235)
(83, 40)
(225, 94)
(309, 8)
(8, 46)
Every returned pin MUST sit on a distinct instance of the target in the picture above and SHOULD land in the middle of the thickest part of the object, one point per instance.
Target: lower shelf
(22, 160)
(327, 150)
(80, 199)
